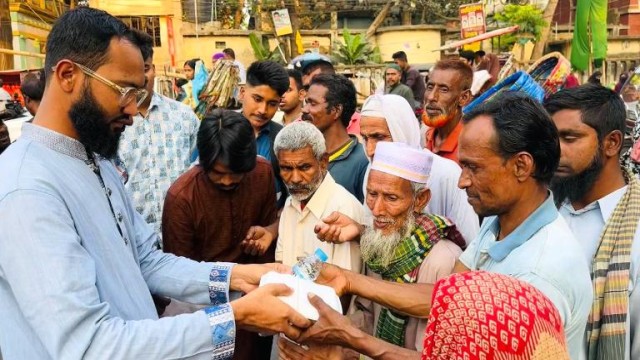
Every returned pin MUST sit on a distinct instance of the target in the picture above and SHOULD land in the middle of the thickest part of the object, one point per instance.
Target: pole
(195, 10)
(284, 58)
(21, 53)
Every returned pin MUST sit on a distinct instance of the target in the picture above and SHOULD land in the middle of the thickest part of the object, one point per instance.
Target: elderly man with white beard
(404, 244)
(388, 118)
(314, 194)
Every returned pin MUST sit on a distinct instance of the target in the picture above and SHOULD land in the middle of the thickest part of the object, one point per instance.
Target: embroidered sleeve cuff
(223, 331)
(219, 283)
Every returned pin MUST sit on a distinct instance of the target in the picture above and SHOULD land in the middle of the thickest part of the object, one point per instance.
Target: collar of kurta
(541, 217)
(55, 141)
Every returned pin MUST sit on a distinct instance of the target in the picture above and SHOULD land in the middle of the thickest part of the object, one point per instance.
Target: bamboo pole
(42, 56)
(21, 53)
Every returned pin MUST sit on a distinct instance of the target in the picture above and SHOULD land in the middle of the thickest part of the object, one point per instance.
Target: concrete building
(31, 21)
(162, 19)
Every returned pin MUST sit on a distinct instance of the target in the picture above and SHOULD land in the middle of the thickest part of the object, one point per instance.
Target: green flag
(591, 16)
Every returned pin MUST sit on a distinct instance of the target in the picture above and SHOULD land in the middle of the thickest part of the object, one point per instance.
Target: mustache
(300, 187)
(306, 117)
(385, 219)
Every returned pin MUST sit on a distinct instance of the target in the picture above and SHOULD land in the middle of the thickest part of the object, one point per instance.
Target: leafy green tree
(261, 49)
(355, 50)
(528, 17)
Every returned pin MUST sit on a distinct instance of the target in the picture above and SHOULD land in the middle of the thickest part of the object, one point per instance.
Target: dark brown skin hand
(334, 277)
(291, 351)
(330, 329)
(338, 228)
(257, 241)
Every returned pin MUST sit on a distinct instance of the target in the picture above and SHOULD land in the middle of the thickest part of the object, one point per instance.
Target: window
(148, 24)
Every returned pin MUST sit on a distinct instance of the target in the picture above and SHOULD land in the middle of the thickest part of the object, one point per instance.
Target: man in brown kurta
(204, 222)
(225, 208)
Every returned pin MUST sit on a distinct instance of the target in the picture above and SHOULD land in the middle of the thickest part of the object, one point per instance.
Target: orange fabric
(449, 147)
(483, 315)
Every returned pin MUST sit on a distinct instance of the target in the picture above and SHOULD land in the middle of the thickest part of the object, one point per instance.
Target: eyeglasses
(128, 94)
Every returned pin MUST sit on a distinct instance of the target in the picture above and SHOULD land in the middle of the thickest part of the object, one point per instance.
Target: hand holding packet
(299, 299)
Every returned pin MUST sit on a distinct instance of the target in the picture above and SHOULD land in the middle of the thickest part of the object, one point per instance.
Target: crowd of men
(509, 231)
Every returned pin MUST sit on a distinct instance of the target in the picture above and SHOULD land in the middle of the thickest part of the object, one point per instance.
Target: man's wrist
(355, 339)
(350, 278)
(236, 277)
(238, 311)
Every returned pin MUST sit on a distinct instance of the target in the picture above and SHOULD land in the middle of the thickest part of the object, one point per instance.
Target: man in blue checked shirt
(78, 264)
(157, 148)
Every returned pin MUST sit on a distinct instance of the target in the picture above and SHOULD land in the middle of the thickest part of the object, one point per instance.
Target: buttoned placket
(117, 216)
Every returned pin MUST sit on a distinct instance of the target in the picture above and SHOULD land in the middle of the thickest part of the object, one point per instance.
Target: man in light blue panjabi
(78, 264)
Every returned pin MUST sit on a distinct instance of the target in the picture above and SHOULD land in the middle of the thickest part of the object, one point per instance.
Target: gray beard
(309, 189)
(376, 246)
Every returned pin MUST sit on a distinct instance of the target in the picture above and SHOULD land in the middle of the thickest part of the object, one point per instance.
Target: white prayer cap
(402, 160)
(373, 107)
(400, 118)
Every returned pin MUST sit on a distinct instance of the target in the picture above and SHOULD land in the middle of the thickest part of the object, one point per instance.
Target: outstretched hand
(257, 241)
(338, 228)
(335, 277)
(331, 328)
(291, 351)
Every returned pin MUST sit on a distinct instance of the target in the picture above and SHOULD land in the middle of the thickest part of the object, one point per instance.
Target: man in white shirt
(314, 195)
(601, 203)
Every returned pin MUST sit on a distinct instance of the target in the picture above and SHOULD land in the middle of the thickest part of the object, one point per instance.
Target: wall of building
(622, 14)
(205, 46)
(417, 41)
(162, 8)
(389, 40)
(29, 34)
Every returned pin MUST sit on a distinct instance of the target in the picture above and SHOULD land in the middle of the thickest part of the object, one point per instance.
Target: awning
(487, 35)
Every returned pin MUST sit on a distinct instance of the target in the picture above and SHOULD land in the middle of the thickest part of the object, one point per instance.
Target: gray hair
(417, 187)
(299, 135)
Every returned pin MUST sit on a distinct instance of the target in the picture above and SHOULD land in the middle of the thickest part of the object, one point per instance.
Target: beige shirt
(297, 238)
(437, 265)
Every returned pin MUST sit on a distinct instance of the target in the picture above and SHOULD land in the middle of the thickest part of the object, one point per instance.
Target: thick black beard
(92, 126)
(573, 188)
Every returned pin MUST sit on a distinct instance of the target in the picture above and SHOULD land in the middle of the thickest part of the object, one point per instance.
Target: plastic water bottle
(309, 267)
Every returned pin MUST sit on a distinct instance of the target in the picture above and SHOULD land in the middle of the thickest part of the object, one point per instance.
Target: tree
(355, 50)
(528, 17)
(261, 49)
